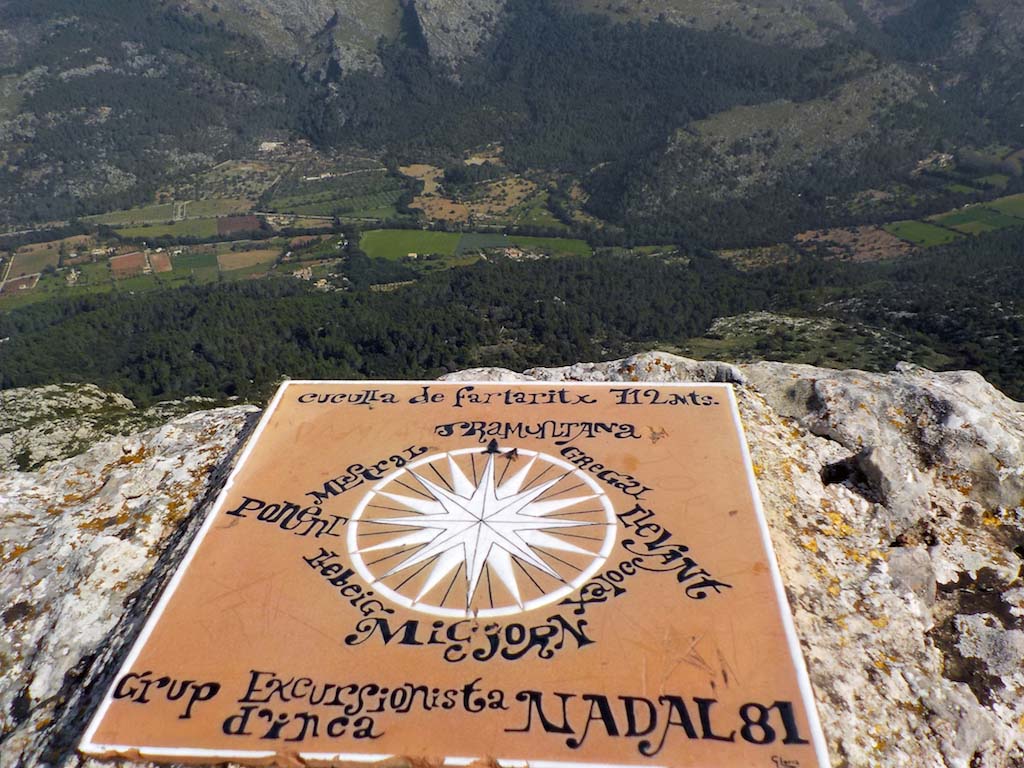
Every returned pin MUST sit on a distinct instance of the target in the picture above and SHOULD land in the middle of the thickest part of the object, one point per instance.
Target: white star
(480, 525)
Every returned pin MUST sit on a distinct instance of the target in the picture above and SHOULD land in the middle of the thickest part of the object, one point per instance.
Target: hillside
(893, 503)
(810, 104)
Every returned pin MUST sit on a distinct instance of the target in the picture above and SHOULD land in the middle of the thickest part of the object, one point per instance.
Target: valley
(832, 183)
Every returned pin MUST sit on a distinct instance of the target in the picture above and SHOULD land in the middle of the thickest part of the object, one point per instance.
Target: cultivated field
(30, 263)
(202, 265)
(20, 284)
(36, 257)
(921, 233)
(160, 262)
(554, 246)
(398, 243)
(976, 219)
(233, 225)
(128, 265)
(149, 214)
(365, 193)
(202, 209)
(1011, 206)
(197, 228)
(241, 259)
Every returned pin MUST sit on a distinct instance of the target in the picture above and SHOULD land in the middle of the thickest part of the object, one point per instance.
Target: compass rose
(481, 533)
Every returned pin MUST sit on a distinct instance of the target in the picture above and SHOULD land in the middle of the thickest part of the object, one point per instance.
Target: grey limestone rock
(455, 29)
(894, 503)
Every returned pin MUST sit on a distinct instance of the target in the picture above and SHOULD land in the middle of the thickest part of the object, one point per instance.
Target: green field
(188, 261)
(961, 189)
(920, 233)
(33, 262)
(398, 243)
(149, 214)
(555, 246)
(975, 220)
(1011, 206)
(198, 228)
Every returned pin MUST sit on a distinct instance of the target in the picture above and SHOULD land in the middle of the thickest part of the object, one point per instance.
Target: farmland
(920, 233)
(1011, 206)
(160, 262)
(197, 228)
(555, 246)
(201, 209)
(976, 219)
(232, 260)
(149, 214)
(361, 194)
(398, 243)
(128, 265)
(29, 263)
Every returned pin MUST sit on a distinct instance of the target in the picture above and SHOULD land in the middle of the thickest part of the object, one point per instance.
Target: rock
(87, 544)
(40, 424)
(910, 569)
(894, 502)
(455, 29)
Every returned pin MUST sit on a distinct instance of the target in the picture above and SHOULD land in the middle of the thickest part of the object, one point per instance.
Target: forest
(569, 92)
(961, 300)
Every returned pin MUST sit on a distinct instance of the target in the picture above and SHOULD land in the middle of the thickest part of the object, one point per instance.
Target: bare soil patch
(160, 262)
(232, 225)
(241, 259)
(20, 284)
(128, 265)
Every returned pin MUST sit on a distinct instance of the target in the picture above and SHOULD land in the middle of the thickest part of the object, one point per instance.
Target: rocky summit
(895, 502)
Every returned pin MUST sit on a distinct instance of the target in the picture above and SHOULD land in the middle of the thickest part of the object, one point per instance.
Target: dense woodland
(962, 300)
(182, 95)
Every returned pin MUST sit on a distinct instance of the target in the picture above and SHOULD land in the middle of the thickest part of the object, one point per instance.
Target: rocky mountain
(101, 102)
(895, 502)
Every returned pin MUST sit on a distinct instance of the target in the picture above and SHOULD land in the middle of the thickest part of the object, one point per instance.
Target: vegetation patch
(202, 209)
(921, 233)
(149, 214)
(242, 259)
(976, 219)
(1011, 206)
(995, 180)
(33, 262)
(197, 228)
(854, 243)
(399, 243)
